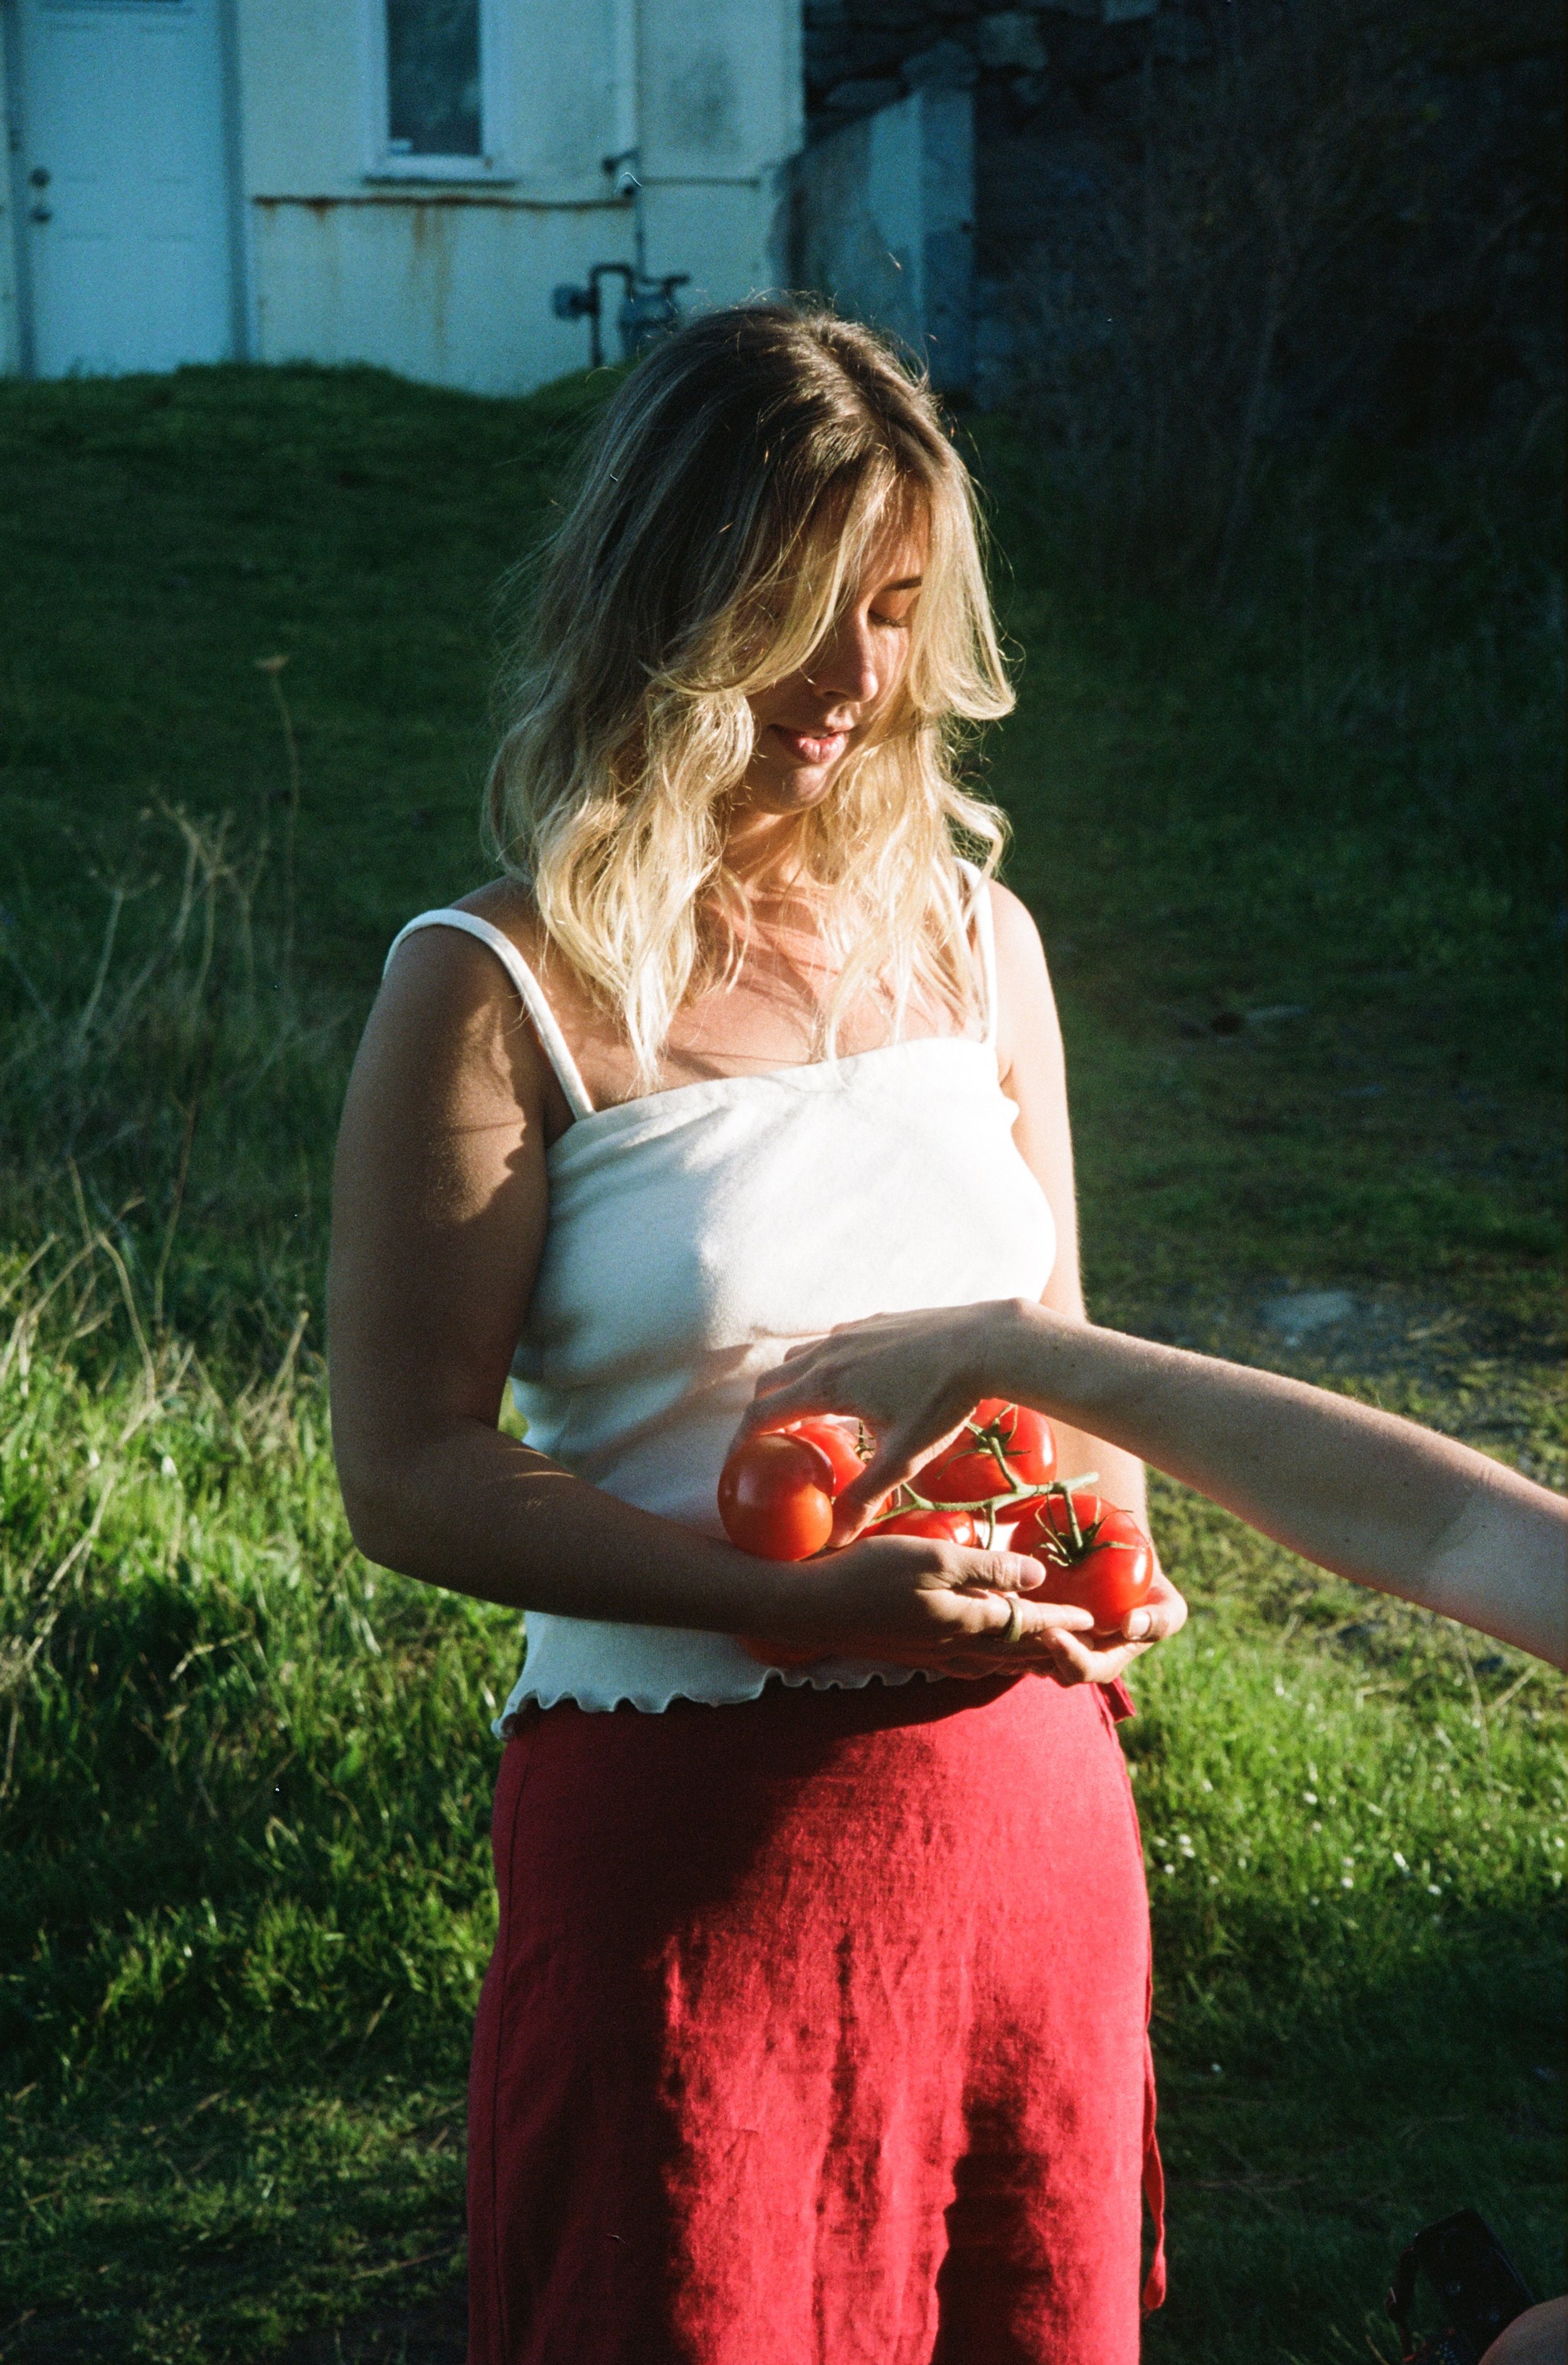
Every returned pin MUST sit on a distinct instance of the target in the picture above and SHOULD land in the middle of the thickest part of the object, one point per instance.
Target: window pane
(432, 77)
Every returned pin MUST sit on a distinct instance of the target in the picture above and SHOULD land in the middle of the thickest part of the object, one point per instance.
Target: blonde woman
(815, 2027)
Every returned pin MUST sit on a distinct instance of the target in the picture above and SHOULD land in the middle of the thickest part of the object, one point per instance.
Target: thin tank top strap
(531, 992)
(981, 919)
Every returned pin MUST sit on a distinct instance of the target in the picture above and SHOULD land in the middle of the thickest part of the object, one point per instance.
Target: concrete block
(1105, 12)
(862, 95)
(946, 65)
(883, 217)
(1012, 38)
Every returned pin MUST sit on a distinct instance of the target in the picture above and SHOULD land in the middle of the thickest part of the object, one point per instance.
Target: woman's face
(807, 723)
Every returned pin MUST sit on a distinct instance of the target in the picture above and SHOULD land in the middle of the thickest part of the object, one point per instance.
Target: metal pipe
(624, 165)
(625, 70)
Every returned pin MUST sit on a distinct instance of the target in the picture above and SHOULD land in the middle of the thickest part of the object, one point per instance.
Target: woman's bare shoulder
(447, 954)
(509, 906)
(1020, 955)
(1028, 1028)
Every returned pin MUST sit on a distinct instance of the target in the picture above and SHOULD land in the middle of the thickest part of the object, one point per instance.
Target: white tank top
(694, 1236)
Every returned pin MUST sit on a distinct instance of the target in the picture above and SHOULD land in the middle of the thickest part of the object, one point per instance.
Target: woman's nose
(846, 667)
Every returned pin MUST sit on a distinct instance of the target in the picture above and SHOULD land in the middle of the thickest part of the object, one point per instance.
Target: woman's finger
(789, 1401)
(1038, 1619)
(897, 1459)
(1081, 1664)
(1156, 1619)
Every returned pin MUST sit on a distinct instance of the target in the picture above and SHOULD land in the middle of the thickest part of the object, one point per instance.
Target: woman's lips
(812, 747)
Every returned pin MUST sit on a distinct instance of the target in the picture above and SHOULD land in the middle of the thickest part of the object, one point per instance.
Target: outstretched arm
(1371, 1497)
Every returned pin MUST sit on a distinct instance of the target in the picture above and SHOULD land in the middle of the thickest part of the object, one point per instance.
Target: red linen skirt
(815, 2035)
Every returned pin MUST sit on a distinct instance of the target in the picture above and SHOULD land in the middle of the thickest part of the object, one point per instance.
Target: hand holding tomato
(920, 1593)
(781, 1495)
(920, 1602)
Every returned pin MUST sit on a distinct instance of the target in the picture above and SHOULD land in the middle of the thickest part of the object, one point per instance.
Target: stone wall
(863, 54)
(1432, 279)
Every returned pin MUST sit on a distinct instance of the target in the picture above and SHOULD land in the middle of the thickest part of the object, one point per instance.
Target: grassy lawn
(1296, 871)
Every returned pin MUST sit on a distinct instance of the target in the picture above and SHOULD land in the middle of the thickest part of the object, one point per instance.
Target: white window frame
(492, 165)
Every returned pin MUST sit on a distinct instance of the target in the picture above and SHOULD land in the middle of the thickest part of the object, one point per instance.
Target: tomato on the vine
(776, 1496)
(969, 1469)
(838, 1437)
(1096, 1556)
(947, 1525)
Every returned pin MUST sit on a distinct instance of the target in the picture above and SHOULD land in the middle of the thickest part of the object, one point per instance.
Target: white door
(125, 195)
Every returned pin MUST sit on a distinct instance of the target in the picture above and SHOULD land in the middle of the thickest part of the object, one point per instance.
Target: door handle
(39, 176)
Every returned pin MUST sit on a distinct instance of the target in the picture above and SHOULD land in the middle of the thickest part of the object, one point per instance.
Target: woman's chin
(786, 794)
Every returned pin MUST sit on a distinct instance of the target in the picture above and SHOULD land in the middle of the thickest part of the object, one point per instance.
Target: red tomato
(946, 1526)
(1107, 1569)
(837, 1438)
(1108, 1582)
(967, 1471)
(776, 1496)
(1045, 1521)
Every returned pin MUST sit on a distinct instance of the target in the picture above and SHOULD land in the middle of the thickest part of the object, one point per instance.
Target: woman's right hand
(919, 1602)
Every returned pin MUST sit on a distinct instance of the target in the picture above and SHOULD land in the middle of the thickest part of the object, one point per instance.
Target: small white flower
(1207, 1784)
(1399, 1860)
(1310, 1798)
(94, 1458)
(1432, 1889)
(1346, 1881)
(1279, 1688)
(1215, 2069)
(166, 1467)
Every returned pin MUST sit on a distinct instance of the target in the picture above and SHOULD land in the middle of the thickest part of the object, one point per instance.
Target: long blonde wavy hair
(726, 509)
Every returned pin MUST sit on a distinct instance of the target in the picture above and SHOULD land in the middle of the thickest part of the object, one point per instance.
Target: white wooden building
(402, 182)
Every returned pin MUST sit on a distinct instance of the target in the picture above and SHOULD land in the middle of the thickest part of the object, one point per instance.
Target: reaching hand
(908, 1376)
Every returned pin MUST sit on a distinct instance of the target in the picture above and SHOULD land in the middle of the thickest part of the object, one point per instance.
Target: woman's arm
(1034, 1073)
(1033, 1068)
(1371, 1497)
(439, 1211)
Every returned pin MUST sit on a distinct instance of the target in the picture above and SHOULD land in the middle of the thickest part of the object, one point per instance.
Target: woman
(815, 2027)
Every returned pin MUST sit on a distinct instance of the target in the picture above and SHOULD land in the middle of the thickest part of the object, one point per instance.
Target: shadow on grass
(1304, 2152)
(1306, 2140)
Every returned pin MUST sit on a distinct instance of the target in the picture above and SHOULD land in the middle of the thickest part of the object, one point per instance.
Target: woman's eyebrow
(910, 583)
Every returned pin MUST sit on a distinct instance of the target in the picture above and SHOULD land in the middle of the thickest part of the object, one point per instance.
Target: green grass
(244, 1779)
